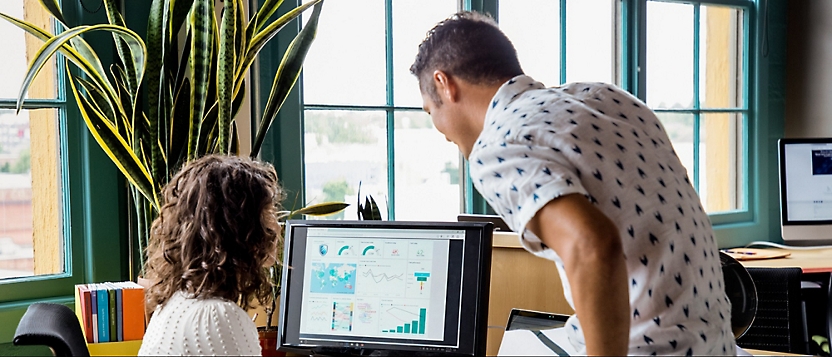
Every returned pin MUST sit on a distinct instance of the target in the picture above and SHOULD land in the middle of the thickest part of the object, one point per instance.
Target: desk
(519, 279)
(810, 261)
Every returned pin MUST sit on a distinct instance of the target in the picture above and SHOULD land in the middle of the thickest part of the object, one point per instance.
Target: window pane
(19, 48)
(721, 50)
(679, 127)
(411, 20)
(535, 35)
(30, 203)
(590, 49)
(721, 160)
(342, 149)
(346, 64)
(669, 55)
(427, 170)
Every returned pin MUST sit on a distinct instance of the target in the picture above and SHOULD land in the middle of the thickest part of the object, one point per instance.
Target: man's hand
(590, 247)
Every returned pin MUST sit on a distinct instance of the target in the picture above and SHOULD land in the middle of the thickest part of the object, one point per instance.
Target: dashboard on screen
(355, 286)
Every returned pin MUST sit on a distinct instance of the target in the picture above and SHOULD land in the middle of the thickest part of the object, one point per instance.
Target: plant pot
(268, 342)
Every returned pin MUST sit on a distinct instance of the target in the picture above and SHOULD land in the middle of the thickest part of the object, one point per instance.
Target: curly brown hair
(216, 232)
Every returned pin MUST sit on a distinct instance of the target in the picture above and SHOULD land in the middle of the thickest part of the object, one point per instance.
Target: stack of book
(111, 312)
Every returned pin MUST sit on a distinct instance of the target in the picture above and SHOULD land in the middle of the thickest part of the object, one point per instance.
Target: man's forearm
(599, 292)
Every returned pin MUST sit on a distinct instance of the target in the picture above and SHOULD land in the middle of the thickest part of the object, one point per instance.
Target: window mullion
(696, 105)
(391, 154)
(562, 19)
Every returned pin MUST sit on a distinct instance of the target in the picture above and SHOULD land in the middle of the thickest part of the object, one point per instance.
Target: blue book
(103, 314)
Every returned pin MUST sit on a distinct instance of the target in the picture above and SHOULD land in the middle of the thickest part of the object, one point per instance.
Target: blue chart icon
(323, 249)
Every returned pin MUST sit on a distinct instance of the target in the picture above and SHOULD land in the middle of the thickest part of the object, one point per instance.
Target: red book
(83, 308)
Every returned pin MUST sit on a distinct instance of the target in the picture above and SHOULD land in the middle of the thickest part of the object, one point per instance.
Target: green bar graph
(413, 327)
(422, 314)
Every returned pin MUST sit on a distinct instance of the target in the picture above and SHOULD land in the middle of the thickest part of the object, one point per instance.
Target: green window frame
(761, 109)
(94, 222)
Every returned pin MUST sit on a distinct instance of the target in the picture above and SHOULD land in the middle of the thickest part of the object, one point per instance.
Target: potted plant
(167, 101)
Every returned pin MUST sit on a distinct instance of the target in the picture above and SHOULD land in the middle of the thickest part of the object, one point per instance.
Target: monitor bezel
(481, 231)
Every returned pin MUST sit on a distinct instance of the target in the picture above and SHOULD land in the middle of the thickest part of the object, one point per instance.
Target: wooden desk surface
(811, 261)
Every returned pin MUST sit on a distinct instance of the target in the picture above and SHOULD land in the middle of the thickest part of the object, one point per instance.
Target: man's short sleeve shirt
(599, 141)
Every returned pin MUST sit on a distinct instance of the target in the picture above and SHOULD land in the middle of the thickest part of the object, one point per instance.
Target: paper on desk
(527, 343)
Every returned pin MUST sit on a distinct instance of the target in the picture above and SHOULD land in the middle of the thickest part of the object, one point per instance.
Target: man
(588, 176)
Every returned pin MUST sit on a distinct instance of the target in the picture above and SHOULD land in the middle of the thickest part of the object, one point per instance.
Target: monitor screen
(359, 287)
(806, 189)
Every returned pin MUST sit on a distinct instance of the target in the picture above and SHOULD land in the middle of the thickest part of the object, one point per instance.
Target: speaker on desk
(779, 324)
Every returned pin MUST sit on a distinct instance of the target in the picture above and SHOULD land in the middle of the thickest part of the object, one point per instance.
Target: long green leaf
(179, 126)
(266, 11)
(286, 76)
(203, 25)
(319, 209)
(56, 43)
(178, 15)
(261, 38)
(54, 9)
(156, 90)
(90, 66)
(124, 51)
(99, 99)
(225, 71)
(115, 147)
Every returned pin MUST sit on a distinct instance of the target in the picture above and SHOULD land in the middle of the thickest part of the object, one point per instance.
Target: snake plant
(167, 101)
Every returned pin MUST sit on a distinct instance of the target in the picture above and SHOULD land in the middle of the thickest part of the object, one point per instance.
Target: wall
(809, 69)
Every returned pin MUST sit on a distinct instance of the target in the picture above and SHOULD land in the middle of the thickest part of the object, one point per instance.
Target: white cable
(783, 246)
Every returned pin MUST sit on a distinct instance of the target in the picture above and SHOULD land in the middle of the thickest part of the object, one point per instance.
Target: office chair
(779, 324)
(53, 325)
(741, 292)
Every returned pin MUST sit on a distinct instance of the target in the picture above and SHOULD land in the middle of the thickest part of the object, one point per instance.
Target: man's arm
(590, 247)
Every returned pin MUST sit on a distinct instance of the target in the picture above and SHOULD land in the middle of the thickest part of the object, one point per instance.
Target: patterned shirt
(595, 139)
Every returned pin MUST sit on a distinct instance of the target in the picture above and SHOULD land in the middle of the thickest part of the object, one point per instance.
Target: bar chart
(416, 324)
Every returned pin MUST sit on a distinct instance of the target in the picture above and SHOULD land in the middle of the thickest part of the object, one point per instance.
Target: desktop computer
(385, 287)
(806, 190)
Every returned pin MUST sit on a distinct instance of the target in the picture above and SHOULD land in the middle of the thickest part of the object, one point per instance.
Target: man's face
(443, 119)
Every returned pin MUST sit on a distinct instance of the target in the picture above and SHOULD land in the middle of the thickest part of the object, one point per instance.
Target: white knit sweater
(189, 326)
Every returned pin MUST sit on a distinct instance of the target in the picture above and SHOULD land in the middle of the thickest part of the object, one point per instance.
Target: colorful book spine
(82, 309)
(133, 310)
(111, 294)
(119, 313)
(103, 314)
(94, 310)
(111, 312)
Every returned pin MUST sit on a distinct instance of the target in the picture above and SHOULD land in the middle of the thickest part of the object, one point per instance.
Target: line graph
(387, 279)
(378, 278)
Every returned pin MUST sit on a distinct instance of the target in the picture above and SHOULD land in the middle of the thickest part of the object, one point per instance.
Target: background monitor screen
(359, 287)
(806, 189)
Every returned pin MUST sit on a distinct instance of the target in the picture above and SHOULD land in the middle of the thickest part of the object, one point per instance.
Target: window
(695, 83)
(694, 62)
(62, 216)
(363, 118)
(30, 224)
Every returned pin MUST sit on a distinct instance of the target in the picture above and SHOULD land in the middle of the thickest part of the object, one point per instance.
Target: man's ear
(446, 86)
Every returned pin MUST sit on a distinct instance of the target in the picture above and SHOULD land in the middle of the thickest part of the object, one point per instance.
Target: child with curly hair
(215, 235)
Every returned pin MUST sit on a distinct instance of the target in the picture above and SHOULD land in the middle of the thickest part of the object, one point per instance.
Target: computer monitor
(385, 287)
(806, 190)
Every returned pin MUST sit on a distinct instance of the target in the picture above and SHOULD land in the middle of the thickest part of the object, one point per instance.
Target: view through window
(31, 240)
(363, 118)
